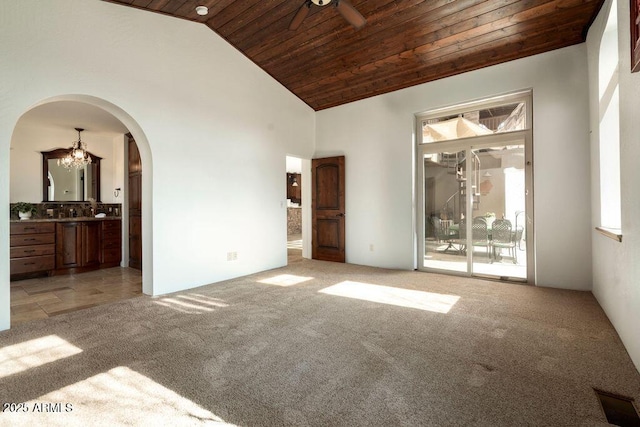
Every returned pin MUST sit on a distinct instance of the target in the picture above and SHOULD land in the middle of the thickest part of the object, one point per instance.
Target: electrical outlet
(232, 256)
(235, 256)
(371, 247)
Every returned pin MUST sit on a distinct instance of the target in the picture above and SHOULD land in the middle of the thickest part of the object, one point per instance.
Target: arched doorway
(87, 108)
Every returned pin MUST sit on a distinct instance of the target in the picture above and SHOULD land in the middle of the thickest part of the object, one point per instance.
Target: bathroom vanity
(64, 245)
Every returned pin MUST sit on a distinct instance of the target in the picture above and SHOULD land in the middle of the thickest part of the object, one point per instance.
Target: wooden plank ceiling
(327, 62)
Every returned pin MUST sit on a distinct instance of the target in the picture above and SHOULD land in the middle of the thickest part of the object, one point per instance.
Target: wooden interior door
(327, 205)
(135, 205)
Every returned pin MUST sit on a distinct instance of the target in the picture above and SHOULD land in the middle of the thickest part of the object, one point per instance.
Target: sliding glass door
(475, 196)
(444, 210)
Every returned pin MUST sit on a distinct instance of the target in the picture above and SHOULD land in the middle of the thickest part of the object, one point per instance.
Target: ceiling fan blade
(300, 15)
(351, 14)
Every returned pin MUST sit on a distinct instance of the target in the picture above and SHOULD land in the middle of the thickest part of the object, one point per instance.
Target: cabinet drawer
(35, 250)
(111, 255)
(33, 239)
(111, 224)
(111, 244)
(32, 227)
(33, 264)
(111, 234)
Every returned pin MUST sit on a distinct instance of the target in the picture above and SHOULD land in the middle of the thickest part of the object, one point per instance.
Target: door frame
(305, 205)
(471, 143)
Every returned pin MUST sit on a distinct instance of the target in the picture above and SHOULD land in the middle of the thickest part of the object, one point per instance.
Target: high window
(609, 135)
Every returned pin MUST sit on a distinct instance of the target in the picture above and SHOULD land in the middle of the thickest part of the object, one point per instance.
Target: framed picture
(635, 35)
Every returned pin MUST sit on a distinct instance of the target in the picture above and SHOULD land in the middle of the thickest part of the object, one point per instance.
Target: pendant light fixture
(78, 156)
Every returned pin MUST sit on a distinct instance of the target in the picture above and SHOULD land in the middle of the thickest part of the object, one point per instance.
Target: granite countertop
(79, 218)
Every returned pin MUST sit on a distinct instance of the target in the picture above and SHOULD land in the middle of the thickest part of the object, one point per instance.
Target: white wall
(376, 136)
(294, 165)
(27, 143)
(616, 266)
(218, 130)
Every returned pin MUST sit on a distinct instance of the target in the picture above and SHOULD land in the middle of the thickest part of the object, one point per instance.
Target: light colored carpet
(251, 353)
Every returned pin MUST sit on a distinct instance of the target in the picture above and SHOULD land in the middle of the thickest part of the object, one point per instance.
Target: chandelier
(78, 157)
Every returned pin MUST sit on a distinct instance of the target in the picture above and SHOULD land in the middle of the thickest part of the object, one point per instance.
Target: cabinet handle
(29, 228)
(30, 240)
(30, 251)
(29, 263)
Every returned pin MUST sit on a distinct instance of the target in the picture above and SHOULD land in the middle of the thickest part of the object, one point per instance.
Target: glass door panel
(444, 211)
(475, 188)
(498, 197)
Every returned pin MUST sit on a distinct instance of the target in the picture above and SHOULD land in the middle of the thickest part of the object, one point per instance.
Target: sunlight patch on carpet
(191, 303)
(205, 300)
(285, 280)
(120, 396)
(439, 303)
(31, 354)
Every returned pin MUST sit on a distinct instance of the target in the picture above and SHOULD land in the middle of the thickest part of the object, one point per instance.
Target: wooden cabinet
(294, 182)
(111, 243)
(63, 247)
(68, 245)
(32, 248)
(91, 247)
(77, 244)
(135, 205)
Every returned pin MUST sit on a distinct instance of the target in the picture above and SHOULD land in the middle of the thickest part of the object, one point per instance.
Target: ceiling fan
(345, 9)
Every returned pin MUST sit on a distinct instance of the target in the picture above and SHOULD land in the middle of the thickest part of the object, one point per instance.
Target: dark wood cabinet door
(135, 205)
(135, 164)
(294, 187)
(135, 194)
(68, 245)
(328, 209)
(135, 242)
(289, 188)
(91, 244)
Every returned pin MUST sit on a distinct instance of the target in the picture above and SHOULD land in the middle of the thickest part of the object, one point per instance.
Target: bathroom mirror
(60, 184)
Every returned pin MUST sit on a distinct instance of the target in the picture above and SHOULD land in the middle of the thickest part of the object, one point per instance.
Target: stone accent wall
(294, 221)
(67, 209)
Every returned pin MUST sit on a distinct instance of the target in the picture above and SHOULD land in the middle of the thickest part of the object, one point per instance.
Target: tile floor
(49, 296)
(439, 258)
(294, 248)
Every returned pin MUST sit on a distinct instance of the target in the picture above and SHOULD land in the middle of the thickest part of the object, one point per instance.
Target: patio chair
(442, 232)
(480, 218)
(503, 237)
(459, 238)
(480, 235)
